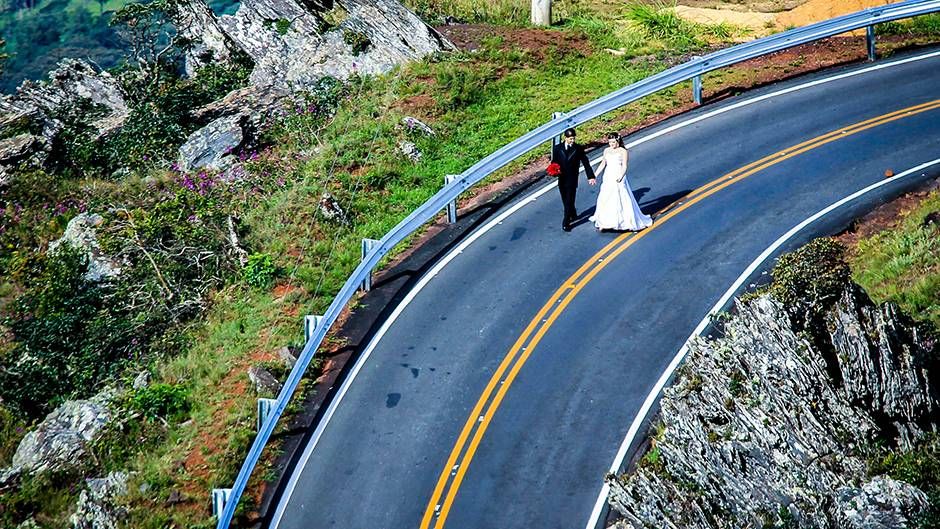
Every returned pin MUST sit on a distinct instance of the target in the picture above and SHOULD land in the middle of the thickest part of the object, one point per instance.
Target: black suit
(569, 158)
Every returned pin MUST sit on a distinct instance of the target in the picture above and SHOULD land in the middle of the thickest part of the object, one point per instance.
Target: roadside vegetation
(899, 262)
(194, 311)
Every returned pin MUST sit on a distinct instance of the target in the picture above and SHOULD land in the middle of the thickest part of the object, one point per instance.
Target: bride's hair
(615, 136)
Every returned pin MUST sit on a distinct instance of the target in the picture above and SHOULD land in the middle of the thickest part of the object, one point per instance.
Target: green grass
(902, 264)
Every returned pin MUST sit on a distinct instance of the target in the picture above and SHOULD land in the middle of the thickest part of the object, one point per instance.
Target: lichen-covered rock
(415, 124)
(331, 210)
(16, 150)
(71, 82)
(882, 503)
(74, 87)
(263, 380)
(286, 355)
(80, 233)
(410, 150)
(61, 439)
(293, 44)
(211, 147)
(767, 423)
(97, 507)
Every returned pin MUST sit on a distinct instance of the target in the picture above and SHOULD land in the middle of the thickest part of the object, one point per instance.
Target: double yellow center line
(462, 454)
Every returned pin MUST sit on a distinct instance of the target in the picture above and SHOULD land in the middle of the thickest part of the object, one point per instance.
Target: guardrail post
(311, 322)
(264, 409)
(367, 246)
(452, 205)
(870, 40)
(555, 139)
(697, 89)
(219, 499)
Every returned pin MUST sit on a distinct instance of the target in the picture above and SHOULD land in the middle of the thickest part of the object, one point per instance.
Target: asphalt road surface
(500, 394)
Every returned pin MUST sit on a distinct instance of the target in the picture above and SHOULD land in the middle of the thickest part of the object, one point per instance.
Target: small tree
(153, 41)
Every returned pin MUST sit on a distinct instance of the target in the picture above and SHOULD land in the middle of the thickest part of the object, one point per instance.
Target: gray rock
(415, 124)
(211, 146)
(61, 439)
(20, 149)
(97, 506)
(263, 380)
(74, 87)
(331, 210)
(29, 523)
(71, 82)
(765, 417)
(80, 233)
(258, 104)
(882, 503)
(287, 356)
(293, 44)
(410, 150)
(142, 380)
(9, 478)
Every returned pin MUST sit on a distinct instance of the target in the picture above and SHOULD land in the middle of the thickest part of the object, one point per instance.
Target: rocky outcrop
(263, 380)
(80, 233)
(34, 114)
(97, 506)
(767, 423)
(19, 149)
(211, 147)
(293, 44)
(61, 440)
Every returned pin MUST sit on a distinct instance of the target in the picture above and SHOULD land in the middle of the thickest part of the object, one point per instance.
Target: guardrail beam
(311, 322)
(367, 246)
(452, 205)
(264, 409)
(870, 41)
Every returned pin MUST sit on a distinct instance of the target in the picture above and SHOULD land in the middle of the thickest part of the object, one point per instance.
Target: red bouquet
(553, 169)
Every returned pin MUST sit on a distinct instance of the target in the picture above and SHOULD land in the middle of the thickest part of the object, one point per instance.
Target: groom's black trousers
(568, 194)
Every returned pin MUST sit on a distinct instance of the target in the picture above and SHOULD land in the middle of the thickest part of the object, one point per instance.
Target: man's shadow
(650, 207)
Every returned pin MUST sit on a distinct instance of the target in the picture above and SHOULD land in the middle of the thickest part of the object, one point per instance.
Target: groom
(569, 155)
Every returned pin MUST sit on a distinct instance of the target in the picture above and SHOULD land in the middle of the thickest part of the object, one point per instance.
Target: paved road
(536, 452)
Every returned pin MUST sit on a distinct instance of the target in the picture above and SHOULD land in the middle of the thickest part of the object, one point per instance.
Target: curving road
(499, 393)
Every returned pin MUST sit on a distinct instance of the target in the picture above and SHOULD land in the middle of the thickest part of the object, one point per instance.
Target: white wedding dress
(616, 207)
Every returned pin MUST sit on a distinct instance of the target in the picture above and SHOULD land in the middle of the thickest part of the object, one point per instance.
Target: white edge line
(667, 374)
(321, 425)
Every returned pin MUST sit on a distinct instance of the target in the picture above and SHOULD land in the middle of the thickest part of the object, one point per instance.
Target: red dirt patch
(885, 216)
(537, 42)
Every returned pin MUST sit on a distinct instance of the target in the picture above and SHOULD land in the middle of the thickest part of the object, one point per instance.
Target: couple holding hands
(616, 209)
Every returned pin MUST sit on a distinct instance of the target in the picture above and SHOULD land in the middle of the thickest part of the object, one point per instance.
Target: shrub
(260, 270)
(462, 85)
(167, 401)
(810, 279)
(357, 41)
(12, 430)
(919, 467)
(67, 336)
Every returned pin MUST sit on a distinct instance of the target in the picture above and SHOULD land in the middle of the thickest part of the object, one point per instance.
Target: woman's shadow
(650, 207)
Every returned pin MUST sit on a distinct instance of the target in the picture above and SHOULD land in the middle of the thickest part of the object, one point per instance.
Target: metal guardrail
(457, 184)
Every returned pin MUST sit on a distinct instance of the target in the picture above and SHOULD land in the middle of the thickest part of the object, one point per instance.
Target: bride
(616, 207)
